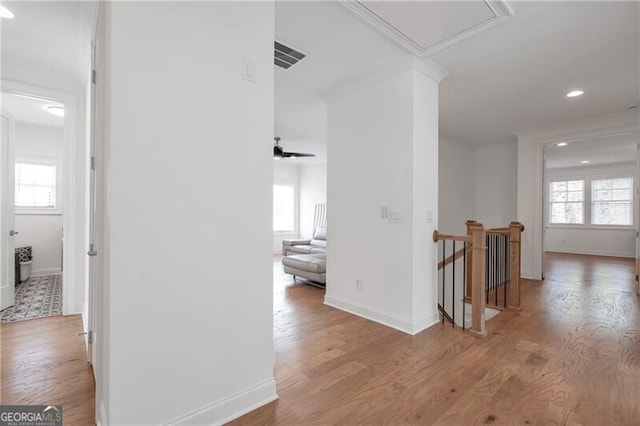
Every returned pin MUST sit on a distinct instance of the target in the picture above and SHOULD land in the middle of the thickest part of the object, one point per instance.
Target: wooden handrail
(439, 237)
(457, 255)
(507, 278)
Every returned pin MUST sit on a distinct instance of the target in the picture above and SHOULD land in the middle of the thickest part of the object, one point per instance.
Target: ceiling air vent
(286, 56)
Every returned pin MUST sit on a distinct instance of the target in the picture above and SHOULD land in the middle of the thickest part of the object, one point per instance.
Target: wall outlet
(359, 285)
(429, 216)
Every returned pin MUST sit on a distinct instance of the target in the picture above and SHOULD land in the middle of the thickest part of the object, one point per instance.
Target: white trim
(591, 252)
(43, 272)
(425, 66)
(70, 225)
(232, 407)
(102, 419)
(499, 9)
(385, 318)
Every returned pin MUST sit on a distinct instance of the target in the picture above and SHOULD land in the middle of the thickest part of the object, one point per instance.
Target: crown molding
(499, 9)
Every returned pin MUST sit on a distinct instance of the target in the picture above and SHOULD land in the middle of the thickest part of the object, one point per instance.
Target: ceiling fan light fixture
(279, 153)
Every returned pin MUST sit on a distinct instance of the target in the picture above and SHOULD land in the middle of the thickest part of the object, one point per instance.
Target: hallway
(571, 356)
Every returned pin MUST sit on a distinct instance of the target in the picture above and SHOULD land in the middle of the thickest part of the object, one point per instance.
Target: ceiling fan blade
(296, 154)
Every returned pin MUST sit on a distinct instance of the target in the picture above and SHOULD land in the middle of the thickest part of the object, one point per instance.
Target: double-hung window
(594, 201)
(566, 202)
(35, 186)
(612, 201)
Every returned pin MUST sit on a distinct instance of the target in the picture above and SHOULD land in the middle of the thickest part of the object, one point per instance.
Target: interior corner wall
(365, 245)
(456, 192)
(496, 177)
(313, 190)
(189, 262)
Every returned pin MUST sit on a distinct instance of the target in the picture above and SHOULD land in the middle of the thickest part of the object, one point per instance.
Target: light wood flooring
(572, 356)
(45, 363)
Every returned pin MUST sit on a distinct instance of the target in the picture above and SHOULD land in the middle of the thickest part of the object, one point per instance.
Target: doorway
(37, 203)
(590, 202)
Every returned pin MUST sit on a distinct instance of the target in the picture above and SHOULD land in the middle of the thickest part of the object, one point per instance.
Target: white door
(7, 232)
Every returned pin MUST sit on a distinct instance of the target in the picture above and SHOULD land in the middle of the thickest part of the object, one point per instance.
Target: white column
(383, 200)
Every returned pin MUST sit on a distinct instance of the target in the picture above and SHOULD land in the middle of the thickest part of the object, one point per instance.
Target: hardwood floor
(572, 356)
(45, 363)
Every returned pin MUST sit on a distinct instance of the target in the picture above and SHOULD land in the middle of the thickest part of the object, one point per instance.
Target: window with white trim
(566, 202)
(284, 207)
(35, 186)
(612, 201)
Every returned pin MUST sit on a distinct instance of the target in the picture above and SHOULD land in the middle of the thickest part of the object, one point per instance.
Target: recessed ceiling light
(562, 144)
(6, 13)
(575, 93)
(56, 110)
(585, 161)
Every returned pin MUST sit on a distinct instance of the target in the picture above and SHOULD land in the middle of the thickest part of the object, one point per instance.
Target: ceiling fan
(279, 153)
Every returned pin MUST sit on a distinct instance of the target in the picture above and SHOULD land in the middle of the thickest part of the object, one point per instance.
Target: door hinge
(92, 252)
(93, 76)
(93, 163)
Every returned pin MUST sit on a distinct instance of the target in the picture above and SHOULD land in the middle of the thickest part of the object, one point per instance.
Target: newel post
(515, 238)
(470, 224)
(478, 253)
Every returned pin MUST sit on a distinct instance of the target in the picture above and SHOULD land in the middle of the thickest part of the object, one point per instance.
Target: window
(612, 201)
(284, 211)
(35, 186)
(566, 202)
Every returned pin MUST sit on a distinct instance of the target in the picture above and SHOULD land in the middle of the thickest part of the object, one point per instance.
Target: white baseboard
(592, 252)
(528, 275)
(102, 416)
(42, 272)
(232, 407)
(379, 316)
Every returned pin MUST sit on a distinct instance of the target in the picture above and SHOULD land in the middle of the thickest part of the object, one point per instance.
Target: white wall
(395, 120)
(456, 192)
(285, 172)
(591, 239)
(189, 230)
(41, 231)
(530, 166)
(313, 190)
(496, 177)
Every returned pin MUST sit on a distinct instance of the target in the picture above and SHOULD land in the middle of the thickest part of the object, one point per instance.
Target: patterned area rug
(38, 297)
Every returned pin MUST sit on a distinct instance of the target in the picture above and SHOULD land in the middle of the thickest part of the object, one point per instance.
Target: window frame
(587, 199)
(550, 202)
(294, 184)
(41, 161)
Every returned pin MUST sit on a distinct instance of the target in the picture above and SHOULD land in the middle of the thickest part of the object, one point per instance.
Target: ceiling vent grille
(285, 56)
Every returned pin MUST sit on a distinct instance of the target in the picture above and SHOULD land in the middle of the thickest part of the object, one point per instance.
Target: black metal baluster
(488, 282)
(444, 257)
(464, 283)
(506, 271)
(453, 287)
(497, 262)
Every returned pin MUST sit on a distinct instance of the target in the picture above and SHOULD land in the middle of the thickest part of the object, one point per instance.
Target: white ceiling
(509, 77)
(52, 37)
(31, 111)
(598, 151)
